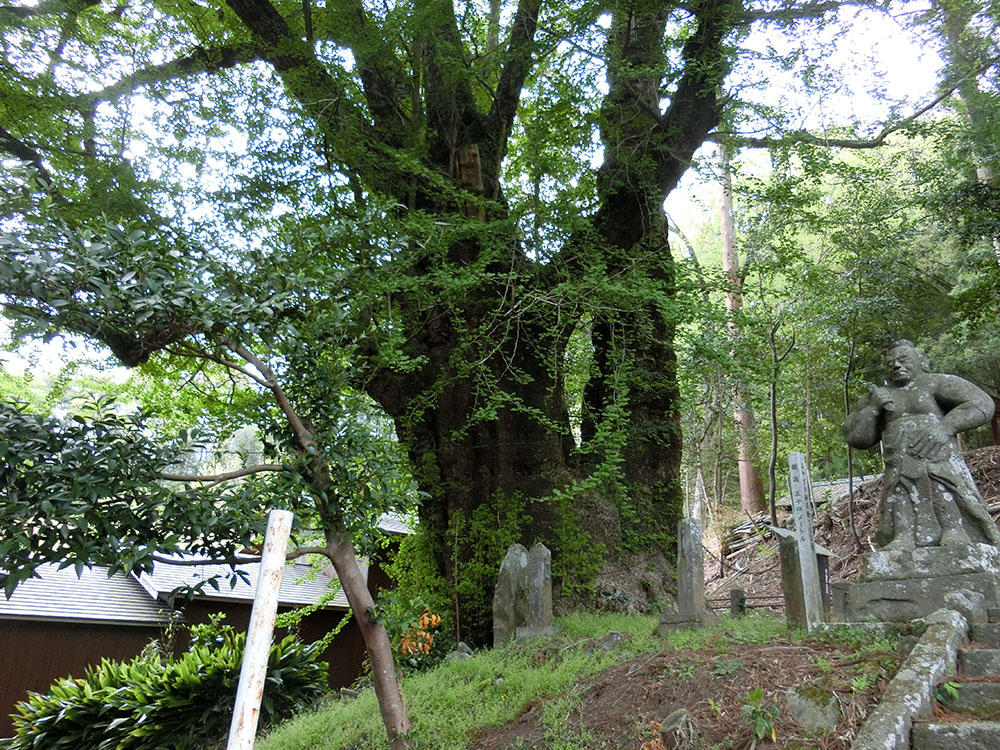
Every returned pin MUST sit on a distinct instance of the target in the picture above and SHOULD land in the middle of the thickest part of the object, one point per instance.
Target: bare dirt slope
(624, 706)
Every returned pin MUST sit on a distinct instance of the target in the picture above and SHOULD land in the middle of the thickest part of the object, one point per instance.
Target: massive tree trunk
(479, 403)
(490, 441)
(481, 438)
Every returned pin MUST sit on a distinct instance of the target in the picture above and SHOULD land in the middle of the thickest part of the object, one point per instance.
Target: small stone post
(737, 602)
(799, 488)
(690, 567)
(691, 610)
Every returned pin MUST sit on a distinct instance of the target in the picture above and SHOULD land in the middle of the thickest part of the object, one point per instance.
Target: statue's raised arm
(863, 426)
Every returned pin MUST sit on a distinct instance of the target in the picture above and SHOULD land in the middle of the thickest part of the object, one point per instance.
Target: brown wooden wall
(33, 654)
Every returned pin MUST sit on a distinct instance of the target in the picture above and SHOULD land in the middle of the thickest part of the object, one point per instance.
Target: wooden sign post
(800, 490)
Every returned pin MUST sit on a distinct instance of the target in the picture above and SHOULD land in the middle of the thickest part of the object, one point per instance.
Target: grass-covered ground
(571, 693)
(451, 702)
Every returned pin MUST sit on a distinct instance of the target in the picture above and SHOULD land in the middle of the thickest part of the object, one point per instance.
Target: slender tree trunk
(848, 372)
(772, 463)
(776, 360)
(963, 61)
(751, 488)
(340, 551)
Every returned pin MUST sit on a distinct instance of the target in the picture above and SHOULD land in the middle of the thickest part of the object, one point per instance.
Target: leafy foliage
(87, 490)
(163, 703)
(760, 716)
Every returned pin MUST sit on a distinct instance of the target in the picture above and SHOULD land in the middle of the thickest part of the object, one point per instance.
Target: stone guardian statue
(929, 497)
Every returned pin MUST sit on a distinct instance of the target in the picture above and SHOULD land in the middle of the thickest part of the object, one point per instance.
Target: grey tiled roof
(127, 599)
(300, 584)
(61, 595)
(392, 523)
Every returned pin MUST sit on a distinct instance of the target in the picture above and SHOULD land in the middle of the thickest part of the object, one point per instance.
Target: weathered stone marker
(522, 598)
(691, 610)
(799, 488)
(791, 576)
(510, 596)
(791, 582)
(737, 602)
(690, 566)
(539, 588)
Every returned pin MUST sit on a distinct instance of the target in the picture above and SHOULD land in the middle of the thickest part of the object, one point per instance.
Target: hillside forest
(544, 270)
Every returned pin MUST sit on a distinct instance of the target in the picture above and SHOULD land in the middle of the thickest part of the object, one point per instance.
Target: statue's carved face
(904, 364)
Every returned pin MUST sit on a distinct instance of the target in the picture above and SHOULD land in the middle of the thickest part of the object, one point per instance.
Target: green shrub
(162, 703)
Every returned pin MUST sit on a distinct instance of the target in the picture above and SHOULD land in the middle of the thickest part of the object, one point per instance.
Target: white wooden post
(246, 712)
(799, 488)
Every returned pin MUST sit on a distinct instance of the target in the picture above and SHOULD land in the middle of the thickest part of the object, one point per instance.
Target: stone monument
(934, 533)
(539, 587)
(691, 610)
(510, 595)
(522, 598)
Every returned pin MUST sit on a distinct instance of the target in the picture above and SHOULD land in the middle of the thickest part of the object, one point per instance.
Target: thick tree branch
(515, 69)
(200, 60)
(385, 84)
(303, 551)
(225, 476)
(453, 118)
(346, 125)
(21, 150)
(792, 11)
(132, 348)
(295, 61)
(694, 106)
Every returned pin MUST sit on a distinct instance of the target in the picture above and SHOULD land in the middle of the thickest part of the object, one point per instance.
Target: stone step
(980, 699)
(987, 634)
(975, 735)
(979, 662)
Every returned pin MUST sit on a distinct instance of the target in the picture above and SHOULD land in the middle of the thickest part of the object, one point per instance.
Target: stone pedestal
(902, 585)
